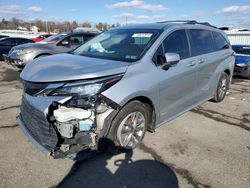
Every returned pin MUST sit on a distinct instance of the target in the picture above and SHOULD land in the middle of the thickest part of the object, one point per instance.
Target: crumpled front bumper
(38, 123)
(15, 62)
(31, 138)
(241, 70)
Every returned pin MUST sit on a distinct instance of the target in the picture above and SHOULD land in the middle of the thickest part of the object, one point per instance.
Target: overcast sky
(217, 12)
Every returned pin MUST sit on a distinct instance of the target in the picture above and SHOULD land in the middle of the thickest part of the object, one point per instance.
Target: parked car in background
(41, 37)
(7, 43)
(122, 83)
(242, 60)
(59, 43)
(3, 36)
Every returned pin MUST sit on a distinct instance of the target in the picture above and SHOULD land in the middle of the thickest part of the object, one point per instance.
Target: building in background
(238, 36)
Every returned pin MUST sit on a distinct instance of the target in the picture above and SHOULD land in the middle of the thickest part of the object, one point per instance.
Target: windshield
(119, 44)
(241, 50)
(55, 38)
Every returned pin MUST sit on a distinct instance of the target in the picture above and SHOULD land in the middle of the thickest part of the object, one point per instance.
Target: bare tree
(52, 26)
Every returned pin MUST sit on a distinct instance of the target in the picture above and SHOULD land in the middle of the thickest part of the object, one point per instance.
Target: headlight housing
(22, 52)
(78, 89)
(81, 89)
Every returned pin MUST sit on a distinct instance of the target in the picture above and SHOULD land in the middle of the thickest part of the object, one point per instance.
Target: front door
(177, 83)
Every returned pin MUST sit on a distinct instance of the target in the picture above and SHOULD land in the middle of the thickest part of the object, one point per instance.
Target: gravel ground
(207, 147)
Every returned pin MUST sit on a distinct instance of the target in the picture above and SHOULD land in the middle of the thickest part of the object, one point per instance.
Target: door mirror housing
(170, 59)
(65, 43)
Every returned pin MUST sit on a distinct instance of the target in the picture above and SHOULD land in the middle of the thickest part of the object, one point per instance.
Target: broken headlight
(77, 89)
(22, 52)
(81, 88)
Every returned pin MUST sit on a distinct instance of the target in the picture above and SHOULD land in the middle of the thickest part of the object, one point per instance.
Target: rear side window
(201, 41)
(22, 41)
(177, 42)
(220, 41)
(10, 41)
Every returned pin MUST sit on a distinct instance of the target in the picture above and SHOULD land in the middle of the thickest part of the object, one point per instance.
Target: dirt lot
(208, 147)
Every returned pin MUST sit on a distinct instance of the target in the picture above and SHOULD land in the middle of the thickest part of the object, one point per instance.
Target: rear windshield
(119, 44)
(241, 50)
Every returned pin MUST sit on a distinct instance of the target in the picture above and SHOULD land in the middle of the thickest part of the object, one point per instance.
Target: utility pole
(46, 26)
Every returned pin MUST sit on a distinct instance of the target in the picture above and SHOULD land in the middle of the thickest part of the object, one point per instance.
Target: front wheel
(248, 72)
(222, 88)
(129, 126)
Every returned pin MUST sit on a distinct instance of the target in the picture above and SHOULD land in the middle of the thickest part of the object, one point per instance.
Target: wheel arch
(42, 55)
(227, 71)
(151, 109)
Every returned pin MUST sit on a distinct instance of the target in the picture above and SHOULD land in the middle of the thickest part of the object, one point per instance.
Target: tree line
(52, 26)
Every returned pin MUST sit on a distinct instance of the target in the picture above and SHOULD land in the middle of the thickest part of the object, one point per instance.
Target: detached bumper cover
(31, 138)
(35, 125)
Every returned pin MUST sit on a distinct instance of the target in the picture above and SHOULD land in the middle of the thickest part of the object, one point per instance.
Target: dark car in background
(242, 60)
(3, 36)
(6, 43)
(41, 37)
(60, 43)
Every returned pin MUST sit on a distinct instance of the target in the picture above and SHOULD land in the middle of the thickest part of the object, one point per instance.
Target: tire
(129, 126)
(222, 88)
(248, 73)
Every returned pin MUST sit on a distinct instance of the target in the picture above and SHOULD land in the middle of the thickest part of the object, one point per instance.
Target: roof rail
(189, 22)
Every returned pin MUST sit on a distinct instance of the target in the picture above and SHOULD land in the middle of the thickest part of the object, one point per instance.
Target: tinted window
(8, 41)
(177, 42)
(76, 40)
(88, 37)
(22, 41)
(201, 41)
(220, 41)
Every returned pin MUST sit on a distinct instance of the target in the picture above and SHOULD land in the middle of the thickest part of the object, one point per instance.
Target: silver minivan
(122, 83)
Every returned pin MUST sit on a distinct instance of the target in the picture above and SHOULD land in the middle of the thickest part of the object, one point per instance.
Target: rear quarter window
(220, 41)
(201, 41)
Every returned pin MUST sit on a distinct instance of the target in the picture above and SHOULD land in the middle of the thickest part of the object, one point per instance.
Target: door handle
(200, 61)
(192, 63)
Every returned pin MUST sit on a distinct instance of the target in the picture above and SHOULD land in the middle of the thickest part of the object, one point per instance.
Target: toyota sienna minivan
(122, 83)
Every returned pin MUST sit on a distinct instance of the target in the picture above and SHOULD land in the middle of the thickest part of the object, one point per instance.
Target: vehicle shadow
(141, 173)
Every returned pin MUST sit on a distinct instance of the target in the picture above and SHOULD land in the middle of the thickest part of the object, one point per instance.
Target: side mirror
(65, 43)
(170, 59)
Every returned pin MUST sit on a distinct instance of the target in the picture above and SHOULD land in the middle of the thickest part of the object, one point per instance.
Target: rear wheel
(129, 126)
(222, 88)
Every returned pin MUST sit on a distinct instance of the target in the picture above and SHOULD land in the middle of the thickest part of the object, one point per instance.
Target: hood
(242, 59)
(30, 45)
(67, 67)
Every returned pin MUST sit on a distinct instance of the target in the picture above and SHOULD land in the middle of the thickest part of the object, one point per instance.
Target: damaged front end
(62, 119)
